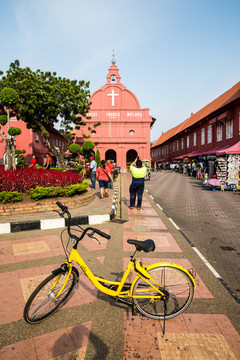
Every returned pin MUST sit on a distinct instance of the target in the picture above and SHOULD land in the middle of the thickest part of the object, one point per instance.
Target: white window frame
(203, 136)
(219, 131)
(188, 141)
(182, 144)
(194, 139)
(177, 145)
(229, 128)
(209, 134)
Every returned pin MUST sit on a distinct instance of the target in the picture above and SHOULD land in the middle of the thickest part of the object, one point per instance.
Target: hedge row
(44, 192)
(11, 196)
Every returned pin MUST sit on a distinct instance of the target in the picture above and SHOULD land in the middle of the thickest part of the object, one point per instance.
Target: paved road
(210, 219)
(92, 326)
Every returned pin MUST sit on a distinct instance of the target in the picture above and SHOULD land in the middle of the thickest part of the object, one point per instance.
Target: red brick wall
(46, 205)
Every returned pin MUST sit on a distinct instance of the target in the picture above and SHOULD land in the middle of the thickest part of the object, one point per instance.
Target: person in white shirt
(93, 168)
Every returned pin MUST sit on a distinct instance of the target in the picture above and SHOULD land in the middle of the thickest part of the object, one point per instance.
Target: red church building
(123, 135)
(124, 132)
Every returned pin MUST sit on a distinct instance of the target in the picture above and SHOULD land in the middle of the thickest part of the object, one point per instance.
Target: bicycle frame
(134, 265)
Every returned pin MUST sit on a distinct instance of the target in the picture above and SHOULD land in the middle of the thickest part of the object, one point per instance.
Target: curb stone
(46, 224)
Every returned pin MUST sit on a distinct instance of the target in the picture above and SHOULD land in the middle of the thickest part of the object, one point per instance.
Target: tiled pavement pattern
(91, 327)
(211, 219)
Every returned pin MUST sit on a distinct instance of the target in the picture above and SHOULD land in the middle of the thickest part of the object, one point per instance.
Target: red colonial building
(124, 132)
(31, 141)
(214, 127)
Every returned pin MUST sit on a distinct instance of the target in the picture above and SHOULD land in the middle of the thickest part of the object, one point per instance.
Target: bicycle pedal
(133, 310)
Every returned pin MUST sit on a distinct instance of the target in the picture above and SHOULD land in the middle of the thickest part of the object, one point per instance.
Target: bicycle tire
(178, 285)
(41, 304)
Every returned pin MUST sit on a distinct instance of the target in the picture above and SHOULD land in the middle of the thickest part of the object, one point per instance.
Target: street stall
(221, 170)
(225, 164)
(233, 165)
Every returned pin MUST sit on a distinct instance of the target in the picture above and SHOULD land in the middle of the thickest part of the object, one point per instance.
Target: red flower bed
(25, 179)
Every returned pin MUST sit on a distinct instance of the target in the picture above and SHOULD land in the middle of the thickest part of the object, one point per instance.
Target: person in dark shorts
(103, 176)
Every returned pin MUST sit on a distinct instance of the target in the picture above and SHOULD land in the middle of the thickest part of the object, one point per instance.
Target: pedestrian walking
(93, 169)
(103, 176)
(111, 168)
(137, 186)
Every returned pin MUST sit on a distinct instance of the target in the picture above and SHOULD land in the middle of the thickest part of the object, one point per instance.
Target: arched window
(113, 78)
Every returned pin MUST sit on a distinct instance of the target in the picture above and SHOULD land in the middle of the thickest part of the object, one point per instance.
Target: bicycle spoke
(43, 302)
(176, 288)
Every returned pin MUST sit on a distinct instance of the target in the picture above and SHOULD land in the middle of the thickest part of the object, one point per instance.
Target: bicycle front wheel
(43, 303)
(174, 282)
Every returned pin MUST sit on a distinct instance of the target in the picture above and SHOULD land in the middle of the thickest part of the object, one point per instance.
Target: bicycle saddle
(146, 245)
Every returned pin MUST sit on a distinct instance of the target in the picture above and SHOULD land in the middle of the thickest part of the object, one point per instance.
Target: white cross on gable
(112, 95)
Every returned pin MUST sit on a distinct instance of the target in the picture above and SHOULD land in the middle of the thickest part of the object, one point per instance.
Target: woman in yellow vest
(137, 185)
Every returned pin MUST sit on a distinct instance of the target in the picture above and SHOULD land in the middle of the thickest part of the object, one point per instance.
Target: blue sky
(175, 55)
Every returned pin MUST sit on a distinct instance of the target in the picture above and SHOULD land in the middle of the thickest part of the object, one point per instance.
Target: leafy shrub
(14, 131)
(41, 192)
(78, 167)
(21, 159)
(3, 120)
(74, 148)
(12, 196)
(58, 169)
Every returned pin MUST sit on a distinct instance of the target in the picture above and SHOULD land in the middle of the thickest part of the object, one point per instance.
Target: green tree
(98, 158)
(87, 149)
(46, 100)
(75, 149)
(21, 158)
(9, 99)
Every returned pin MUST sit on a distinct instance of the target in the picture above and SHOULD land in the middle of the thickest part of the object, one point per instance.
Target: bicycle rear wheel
(175, 282)
(42, 303)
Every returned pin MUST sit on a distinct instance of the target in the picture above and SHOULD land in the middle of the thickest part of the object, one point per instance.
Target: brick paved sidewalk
(90, 326)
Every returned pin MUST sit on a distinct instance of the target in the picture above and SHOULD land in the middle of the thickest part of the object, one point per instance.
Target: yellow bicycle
(159, 291)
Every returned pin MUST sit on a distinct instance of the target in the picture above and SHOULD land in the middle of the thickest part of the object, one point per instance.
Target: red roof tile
(226, 98)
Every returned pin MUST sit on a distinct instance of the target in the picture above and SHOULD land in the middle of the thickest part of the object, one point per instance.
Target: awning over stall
(222, 151)
(235, 149)
(212, 151)
(194, 153)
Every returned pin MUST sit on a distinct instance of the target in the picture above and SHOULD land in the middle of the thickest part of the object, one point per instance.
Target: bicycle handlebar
(65, 211)
(62, 207)
(106, 236)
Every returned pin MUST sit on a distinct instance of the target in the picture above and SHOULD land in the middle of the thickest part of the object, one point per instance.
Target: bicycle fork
(62, 270)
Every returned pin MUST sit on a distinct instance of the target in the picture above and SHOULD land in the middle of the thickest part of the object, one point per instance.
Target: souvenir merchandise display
(233, 169)
(222, 170)
(211, 168)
